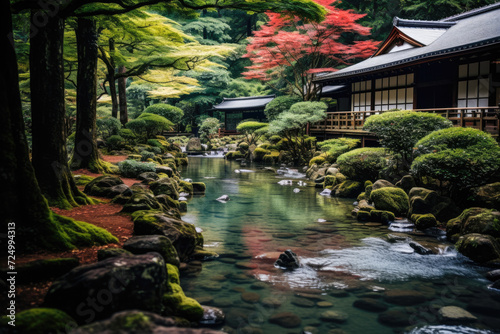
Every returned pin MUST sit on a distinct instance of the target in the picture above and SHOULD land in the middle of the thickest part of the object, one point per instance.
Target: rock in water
(288, 260)
(455, 314)
(223, 198)
(419, 249)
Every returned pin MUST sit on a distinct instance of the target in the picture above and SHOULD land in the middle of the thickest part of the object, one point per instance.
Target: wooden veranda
(350, 123)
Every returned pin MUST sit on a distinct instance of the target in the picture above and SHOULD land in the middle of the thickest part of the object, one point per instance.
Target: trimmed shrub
(133, 168)
(363, 163)
(115, 142)
(463, 157)
(145, 155)
(173, 114)
(108, 126)
(149, 125)
(318, 160)
(128, 135)
(252, 130)
(399, 131)
(259, 153)
(333, 148)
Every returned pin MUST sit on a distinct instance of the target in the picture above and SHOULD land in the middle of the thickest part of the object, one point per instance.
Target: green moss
(82, 180)
(41, 321)
(271, 158)
(82, 234)
(363, 215)
(319, 160)
(181, 161)
(349, 189)
(330, 180)
(186, 187)
(199, 187)
(424, 221)
(391, 199)
(362, 196)
(175, 301)
(183, 206)
(382, 216)
(232, 155)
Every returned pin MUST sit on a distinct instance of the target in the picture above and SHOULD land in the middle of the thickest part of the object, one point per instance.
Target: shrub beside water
(363, 163)
(133, 168)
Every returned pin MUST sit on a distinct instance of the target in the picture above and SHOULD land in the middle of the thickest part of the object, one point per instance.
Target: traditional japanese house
(242, 108)
(450, 67)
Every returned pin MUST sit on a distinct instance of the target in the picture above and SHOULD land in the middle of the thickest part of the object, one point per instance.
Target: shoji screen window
(361, 96)
(473, 84)
(394, 92)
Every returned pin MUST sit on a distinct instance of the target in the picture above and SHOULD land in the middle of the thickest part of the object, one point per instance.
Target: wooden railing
(484, 118)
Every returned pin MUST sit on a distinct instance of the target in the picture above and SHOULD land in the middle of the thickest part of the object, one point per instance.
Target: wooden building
(451, 67)
(242, 108)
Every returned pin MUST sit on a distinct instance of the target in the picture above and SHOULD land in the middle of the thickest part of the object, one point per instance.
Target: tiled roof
(244, 103)
(475, 29)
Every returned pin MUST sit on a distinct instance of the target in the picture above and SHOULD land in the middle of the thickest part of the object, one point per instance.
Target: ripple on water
(446, 329)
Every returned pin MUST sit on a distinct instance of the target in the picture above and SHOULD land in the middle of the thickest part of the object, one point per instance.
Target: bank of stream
(354, 278)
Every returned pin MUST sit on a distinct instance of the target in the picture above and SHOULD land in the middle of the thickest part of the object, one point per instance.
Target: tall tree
(294, 51)
(24, 210)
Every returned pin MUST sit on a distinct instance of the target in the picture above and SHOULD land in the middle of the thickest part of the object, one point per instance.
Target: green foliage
(297, 117)
(259, 153)
(333, 148)
(108, 126)
(280, 104)
(128, 135)
(241, 87)
(464, 157)
(149, 125)
(132, 168)
(173, 114)
(252, 130)
(115, 142)
(209, 128)
(318, 160)
(363, 163)
(145, 155)
(399, 131)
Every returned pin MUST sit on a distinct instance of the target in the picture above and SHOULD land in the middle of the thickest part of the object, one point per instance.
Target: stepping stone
(404, 297)
(258, 286)
(370, 304)
(246, 265)
(302, 302)
(324, 304)
(456, 315)
(394, 318)
(250, 297)
(271, 302)
(285, 319)
(334, 316)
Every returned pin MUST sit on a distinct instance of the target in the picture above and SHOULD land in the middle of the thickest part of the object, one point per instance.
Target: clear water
(342, 260)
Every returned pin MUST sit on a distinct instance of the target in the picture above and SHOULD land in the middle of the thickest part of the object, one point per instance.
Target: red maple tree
(291, 50)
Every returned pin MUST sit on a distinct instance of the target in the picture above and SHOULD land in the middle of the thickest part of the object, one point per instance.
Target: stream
(354, 277)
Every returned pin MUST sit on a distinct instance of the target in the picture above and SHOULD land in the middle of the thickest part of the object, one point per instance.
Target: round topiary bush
(278, 105)
(391, 199)
(363, 163)
(173, 114)
(115, 142)
(149, 125)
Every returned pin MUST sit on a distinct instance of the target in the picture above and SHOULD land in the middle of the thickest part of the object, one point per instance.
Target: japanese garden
(205, 166)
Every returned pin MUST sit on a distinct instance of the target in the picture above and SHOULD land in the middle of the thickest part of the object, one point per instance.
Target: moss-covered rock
(199, 188)
(233, 155)
(365, 206)
(363, 215)
(142, 244)
(390, 199)
(166, 186)
(423, 201)
(83, 180)
(382, 216)
(106, 253)
(424, 221)
(175, 301)
(106, 186)
(141, 201)
(183, 235)
(479, 247)
(406, 183)
(271, 158)
(487, 196)
(474, 220)
(38, 321)
(186, 187)
(349, 189)
(115, 284)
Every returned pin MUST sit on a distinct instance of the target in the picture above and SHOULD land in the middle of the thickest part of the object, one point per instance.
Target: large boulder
(106, 186)
(37, 321)
(474, 220)
(424, 201)
(382, 184)
(166, 186)
(141, 201)
(406, 183)
(479, 248)
(194, 145)
(390, 199)
(349, 189)
(183, 235)
(96, 291)
(487, 196)
(142, 244)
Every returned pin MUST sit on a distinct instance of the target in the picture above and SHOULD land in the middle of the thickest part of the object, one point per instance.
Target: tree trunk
(24, 210)
(112, 81)
(122, 96)
(50, 158)
(86, 154)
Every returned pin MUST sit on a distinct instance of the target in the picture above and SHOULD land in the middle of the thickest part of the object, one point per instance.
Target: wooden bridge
(350, 123)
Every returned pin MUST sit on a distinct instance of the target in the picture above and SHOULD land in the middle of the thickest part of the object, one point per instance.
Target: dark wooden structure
(450, 67)
(242, 108)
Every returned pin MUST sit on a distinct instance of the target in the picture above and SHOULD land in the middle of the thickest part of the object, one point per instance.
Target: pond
(354, 277)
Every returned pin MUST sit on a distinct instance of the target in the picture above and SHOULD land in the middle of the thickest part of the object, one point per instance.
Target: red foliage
(306, 48)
